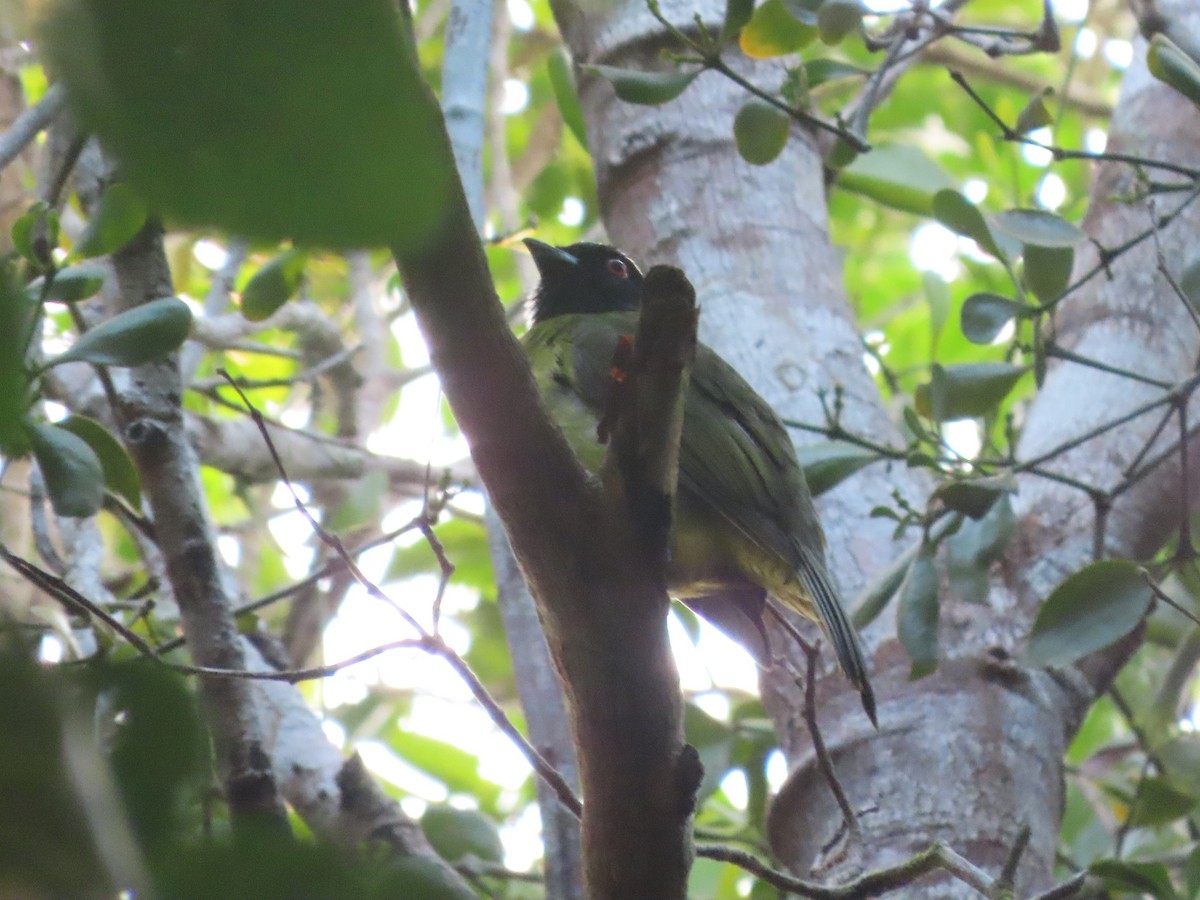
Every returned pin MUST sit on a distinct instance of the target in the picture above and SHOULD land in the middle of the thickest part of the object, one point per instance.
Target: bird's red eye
(618, 268)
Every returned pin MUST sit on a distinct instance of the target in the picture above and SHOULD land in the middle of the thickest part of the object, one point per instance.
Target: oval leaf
(646, 88)
(829, 463)
(1047, 270)
(774, 31)
(72, 472)
(961, 216)
(35, 234)
(1037, 227)
(897, 175)
(69, 285)
(17, 316)
(974, 497)
(118, 216)
(737, 14)
(134, 337)
(562, 81)
(760, 131)
(838, 18)
(819, 71)
(275, 135)
(1170, 65)
(970, 390)
(984, 316)
(120, 474)
(1088, 611)
(875, 596)
(917, 625)
(273, 284)
(458, 834)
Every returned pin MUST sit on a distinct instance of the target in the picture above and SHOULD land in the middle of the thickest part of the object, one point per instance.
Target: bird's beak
(547, 256)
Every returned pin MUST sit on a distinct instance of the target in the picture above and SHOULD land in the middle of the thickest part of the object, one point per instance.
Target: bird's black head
(583, 278)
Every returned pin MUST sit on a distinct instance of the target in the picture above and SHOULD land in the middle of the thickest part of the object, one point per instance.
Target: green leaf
(17, 315)
(69, 285)
(273, 284)
(821, 71)
(737, 14)
(118, 216)
(1038, 227)
(937, 297)
(646, 88)
(838, 18)
(977, 544)
(72, 472)
(974, 497)
(962, 217)
(804, 11)
(562, 82)
(1047, 270)
(35, 234)
(134, 337)
(714, 740)
(761, 131)
(458, 834)
(917, 625)
(1191, 873)
(829, 463)
(453, 766)
(984, 316)
(970, 390)
(1160, 802)
(1138, 877)
(251, 117)
(1034, 115)
(896, 175)
(874, 598)
(773, 31)
(1088, 611)
(120, 474)
(1170, 65)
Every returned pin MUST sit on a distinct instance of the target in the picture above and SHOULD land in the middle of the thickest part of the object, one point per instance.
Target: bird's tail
(836, 624)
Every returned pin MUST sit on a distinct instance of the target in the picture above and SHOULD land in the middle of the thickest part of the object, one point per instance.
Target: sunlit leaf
(1088, 611)
(134, 337)
(249, 117)
(72, 472)
(117, 217)
(562, 80)
(774, 31)
(918, 613)
(1037, 227)
(897, 175)
(273, 284)
(120, 474)
(760, 131)
(647, 88)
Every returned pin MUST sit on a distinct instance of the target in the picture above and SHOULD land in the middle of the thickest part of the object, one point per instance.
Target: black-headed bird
(745, 526)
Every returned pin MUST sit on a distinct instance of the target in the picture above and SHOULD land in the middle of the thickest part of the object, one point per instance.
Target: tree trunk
(974, 752)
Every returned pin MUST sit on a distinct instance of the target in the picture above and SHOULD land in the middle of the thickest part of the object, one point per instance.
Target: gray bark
(972, 753)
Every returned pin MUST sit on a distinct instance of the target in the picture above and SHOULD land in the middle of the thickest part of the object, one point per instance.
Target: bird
(745, 527)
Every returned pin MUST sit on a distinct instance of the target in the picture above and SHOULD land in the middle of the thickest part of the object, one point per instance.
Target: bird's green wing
(737, 457)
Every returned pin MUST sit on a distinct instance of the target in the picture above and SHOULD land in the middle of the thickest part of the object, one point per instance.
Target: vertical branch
(468, 58)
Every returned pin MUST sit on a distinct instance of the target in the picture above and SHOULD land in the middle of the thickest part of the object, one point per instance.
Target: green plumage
(745, 525)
